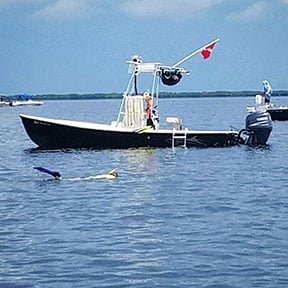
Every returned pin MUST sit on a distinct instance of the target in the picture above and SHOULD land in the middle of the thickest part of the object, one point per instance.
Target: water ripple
(173, 218)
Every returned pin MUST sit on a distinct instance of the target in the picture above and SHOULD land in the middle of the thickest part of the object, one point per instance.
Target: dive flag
(206, 51)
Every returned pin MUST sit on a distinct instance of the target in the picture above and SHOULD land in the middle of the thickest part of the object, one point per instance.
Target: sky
(73, 46)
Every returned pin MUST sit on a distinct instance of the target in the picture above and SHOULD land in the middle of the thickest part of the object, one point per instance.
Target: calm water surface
(214, 217)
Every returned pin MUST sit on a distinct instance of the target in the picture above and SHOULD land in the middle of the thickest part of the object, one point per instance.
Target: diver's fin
(113, 172)
(55, 174)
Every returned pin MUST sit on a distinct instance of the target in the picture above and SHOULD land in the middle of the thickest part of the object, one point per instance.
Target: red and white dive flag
(206, 51)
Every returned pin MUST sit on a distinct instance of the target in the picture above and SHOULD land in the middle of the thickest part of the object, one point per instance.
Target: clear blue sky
(73, 46)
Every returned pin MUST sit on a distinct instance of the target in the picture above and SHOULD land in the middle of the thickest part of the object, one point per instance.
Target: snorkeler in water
(57, 176)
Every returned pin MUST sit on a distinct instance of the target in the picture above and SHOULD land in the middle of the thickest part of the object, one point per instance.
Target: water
(213, 217)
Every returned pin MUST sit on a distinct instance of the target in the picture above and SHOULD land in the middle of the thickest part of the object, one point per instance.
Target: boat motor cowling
(258, 128)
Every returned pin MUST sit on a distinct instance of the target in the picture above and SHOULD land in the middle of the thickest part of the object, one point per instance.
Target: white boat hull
(26, 102)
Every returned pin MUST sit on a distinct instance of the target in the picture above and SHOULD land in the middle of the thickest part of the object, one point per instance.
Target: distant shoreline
(95, 96)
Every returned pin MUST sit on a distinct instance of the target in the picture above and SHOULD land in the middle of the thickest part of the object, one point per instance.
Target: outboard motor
(258, 128)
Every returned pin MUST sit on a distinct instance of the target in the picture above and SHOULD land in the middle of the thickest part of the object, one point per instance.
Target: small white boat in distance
(4, 103)
(25, 102)
(25, 99)
(4, 100)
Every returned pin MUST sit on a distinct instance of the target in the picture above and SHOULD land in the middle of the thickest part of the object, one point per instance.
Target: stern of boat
(258, 128)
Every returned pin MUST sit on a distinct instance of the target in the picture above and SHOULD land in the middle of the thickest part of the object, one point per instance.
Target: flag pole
(194, 53)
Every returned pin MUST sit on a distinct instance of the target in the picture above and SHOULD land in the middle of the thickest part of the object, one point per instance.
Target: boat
(263, 103)
(137, 124)
(25, 103)
(278, 113)
(4, 103)
(25, 100)
(4, 100)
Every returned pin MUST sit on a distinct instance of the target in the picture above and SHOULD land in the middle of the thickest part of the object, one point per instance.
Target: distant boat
(4, 100)
(4, 103)
(280, 113)
(263, 103)
(25, 102)
(137, 124)
(25, 99)
(277, 113)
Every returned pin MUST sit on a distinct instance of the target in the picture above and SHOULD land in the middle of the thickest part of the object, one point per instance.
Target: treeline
(220, 94)
(94, 96)
(75, 96)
